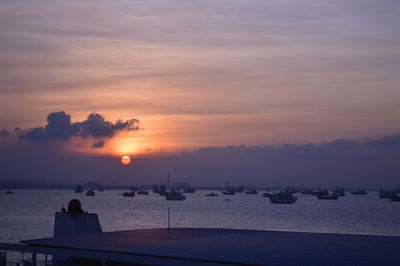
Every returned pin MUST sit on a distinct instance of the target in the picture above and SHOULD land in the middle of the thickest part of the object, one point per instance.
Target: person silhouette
(74, 207)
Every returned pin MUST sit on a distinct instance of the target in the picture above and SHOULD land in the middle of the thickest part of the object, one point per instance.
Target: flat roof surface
(240, 246)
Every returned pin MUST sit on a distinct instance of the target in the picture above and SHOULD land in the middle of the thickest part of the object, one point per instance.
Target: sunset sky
(200, 74)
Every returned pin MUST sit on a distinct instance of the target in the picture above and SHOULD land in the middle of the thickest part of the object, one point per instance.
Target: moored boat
(9, 192)
(359, 192)
(143, 192)
(282, 197)
(251, 192)
(129, 194)
(228, 192)
(385, 194)
(333, 196)
(212, 194)
(79, 189)
(174, 195)
(339, 192)
(395, 197)
(90, 193)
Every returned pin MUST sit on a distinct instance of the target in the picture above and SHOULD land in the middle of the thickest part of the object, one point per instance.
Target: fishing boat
(282, 197)
(333, 196)
(174, 195)
(251, 192)
(339, 192)
(9, 192)
(129, 194)
(395, 197)
(79, 189)
(359, 192)
(385, 194)
(90, 193)
(143, 192)
(228, 192)
(212, 194)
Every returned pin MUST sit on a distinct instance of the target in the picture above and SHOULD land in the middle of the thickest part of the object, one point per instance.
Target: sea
(29, 214)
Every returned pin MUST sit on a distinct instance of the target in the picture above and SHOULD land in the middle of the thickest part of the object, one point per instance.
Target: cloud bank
(365, 163)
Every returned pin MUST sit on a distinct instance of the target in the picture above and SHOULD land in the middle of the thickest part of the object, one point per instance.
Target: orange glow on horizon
(125, 160)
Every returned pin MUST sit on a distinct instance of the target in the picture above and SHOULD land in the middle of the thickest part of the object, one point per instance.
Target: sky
(164, 81)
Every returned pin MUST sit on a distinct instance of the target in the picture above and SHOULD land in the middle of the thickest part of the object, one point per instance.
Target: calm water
(29, 214)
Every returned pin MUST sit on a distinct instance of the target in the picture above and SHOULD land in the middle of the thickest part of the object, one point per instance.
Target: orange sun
(125, 160)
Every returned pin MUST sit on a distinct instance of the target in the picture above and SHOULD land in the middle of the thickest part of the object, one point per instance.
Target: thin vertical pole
(33, 259)
(169, 217)
(45, 259)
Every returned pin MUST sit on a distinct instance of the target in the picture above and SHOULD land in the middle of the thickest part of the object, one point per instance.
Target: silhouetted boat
(90, 193)
(101, 189)
(359, 192)
(267, 195)
(395, 197)
(333, 196)
(212, 194)
(339, 192)
(174, 195)
(230, 192)
(283, 197)
(129, 194)
(384, 194)
(134, 188)
(322, 192)
(9, 192)
(251, 191)
(79, 189)
(143, 192)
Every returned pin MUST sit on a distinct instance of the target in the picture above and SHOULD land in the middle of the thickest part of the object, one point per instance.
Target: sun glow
(125, 160)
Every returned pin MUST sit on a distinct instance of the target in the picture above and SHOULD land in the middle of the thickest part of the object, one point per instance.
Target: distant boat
(9, 192)
(134, 188)
(129, 194)
(359, 192)
(333, 196)
(143, 192)
(251, 191)
(212, 194)
(101, 189)
(79, 189)
(395, 197)
(283, 197)
(160, 189)
(267, 195)
(229, 192)
(322, 192)
(384, 194)
(174, 195)
(90, 193)
(339, 192)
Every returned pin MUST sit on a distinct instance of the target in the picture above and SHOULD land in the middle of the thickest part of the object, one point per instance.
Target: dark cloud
(59, 126)
(99, 144)
(4, 132)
